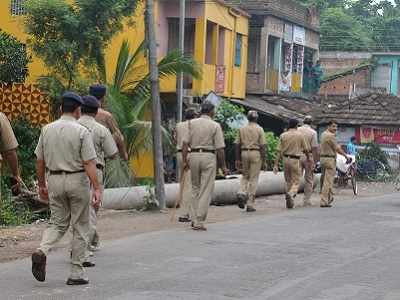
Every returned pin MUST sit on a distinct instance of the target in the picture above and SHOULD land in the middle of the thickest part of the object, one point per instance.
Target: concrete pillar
(225, 192)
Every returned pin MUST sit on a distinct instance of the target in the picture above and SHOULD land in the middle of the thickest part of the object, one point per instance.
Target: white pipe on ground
(224, 194)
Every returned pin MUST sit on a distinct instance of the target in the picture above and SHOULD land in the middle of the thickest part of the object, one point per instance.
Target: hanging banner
(299, 35)
(220, 79)
(382, 136)
(285, 80)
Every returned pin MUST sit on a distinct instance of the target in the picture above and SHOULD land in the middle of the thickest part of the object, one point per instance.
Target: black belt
(203, 150)
(250, 149)
(292, 156)
(180, 151)
(100, 167)
(328, 156)
(59, 172)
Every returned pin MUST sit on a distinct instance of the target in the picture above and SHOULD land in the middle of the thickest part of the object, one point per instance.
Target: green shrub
(13, 213)
(225, 114)
(272, 146)
(373, 151)
(27, 136)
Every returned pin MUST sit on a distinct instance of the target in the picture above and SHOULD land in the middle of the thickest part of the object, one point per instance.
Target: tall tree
(69, 37)
(13, 59)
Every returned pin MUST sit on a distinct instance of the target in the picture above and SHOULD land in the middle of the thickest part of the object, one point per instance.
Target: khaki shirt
(107, 120)
(7, 138)
(64, 145)
(293, 143)
(104, 143)
(329, 144)
(182, 129)
(251, 136)
(204, 134)
(310, 135)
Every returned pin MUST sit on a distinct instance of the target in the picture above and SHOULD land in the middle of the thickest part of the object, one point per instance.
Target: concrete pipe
(224, 194)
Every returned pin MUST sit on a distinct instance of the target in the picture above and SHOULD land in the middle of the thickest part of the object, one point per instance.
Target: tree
(13, 59)
(129, 94)
(73, 37)
(340, 31)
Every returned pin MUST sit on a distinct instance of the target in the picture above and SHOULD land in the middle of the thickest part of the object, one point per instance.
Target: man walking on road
(329, 148)
(8, 150)
(250, 158)
(106, 119)
(308, 165)
(66, 150)
(182, 129)
(204, 139)
(105, 148)
(291, 146)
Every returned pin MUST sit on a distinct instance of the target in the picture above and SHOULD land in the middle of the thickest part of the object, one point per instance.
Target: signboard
(285, 80)
(299, 35)
(382, 136)
(288, 34)
(220, 79)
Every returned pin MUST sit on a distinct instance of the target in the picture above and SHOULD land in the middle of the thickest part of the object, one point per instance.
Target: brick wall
(341, 85)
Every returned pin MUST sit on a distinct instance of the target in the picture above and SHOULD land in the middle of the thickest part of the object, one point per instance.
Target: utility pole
(156, 106)
(182, 49)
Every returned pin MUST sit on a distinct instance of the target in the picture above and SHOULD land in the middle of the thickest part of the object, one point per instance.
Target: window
(238, 50)
(17, 7)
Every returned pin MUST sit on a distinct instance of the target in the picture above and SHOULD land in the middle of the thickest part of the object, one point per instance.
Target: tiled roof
(369, 109)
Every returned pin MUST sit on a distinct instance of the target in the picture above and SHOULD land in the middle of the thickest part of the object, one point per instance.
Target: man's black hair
(207, 108)
(293, 123)
(330, 123)
(89, 110)
(69, 107)
(353, 138)
(190, 114)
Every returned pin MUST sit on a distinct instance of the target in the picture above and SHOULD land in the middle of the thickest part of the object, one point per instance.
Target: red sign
(383, 136)
(220, 79)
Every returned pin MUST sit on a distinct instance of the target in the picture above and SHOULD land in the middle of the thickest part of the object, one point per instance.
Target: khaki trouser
(251, 164)
(203, 167)
(93, 237)
(328, 166)
(69, 204)
(186, 200)
(307, 167)
(291, 169)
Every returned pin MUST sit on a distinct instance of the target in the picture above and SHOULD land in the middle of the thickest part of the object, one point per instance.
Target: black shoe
(242, 200)
(79, 281)
(184, 219)
(325, 205)
(88, 264)
(39, 265)
(289, 202)
(250, 209)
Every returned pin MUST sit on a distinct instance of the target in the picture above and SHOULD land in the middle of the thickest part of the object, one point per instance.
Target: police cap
(72, 98)
(90, 101)
(98, 90)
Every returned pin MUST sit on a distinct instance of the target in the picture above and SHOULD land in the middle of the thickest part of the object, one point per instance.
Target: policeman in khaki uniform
(250, 158)
(105, 148)
(291, 146)
(65, 149)
(204, 139)
(329, 148)
(185, 177)
(308, 165)
(8, 150)
(106, 119)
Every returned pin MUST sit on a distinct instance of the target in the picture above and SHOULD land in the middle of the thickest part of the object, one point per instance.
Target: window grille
(17, 7)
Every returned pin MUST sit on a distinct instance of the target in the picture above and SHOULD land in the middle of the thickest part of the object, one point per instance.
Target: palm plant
(129, 95)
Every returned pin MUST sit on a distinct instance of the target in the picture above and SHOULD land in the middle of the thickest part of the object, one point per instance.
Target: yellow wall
(235, 79)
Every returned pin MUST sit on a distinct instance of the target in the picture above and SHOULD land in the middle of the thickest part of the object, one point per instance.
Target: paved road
(349, 252)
